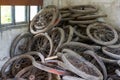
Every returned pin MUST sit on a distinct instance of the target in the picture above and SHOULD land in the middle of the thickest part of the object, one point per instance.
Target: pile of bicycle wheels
(71, 43)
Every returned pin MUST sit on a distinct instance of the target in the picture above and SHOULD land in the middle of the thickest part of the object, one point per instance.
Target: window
(19, 13)
(5, 14)
(33, 11)
(12, 15)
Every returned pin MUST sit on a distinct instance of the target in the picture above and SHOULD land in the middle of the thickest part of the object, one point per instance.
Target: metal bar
(28, 14)
(13, 15)
(0, 16)
(25, 13)
(38, 8)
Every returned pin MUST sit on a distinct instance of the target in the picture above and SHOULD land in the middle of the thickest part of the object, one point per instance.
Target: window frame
(13, 23)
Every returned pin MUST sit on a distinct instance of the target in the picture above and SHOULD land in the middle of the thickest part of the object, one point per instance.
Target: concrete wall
(6, 37)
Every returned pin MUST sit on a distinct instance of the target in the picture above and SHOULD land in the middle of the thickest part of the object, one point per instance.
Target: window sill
(8, 27)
